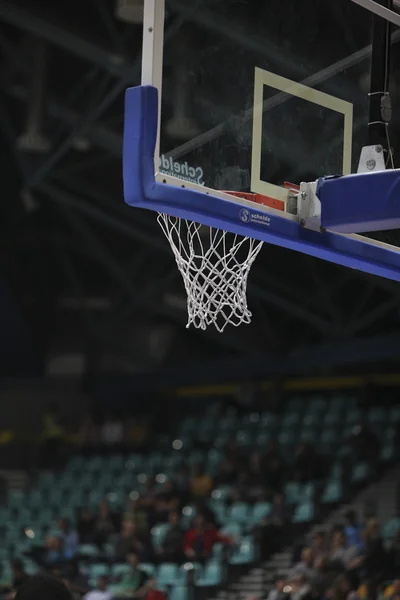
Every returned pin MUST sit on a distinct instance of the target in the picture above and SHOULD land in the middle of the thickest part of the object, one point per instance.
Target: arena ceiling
(95, 278)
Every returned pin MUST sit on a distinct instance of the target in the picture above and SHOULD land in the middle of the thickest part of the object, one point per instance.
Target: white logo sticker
(249, 217)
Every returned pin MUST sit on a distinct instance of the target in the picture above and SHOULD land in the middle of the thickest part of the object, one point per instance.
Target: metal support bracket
(309, 206)
(372, 159)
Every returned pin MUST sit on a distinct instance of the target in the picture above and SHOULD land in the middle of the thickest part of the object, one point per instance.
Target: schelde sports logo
(250, 217)
(181, 170)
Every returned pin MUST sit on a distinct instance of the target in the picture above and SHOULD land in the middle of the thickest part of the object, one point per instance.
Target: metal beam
(379, 10)
(28, 21)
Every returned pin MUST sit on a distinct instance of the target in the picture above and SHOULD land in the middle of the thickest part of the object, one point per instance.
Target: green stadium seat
(97, 570)
(119, 570)
(88, 550)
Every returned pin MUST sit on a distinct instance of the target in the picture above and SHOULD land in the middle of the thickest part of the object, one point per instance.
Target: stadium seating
(321, 420)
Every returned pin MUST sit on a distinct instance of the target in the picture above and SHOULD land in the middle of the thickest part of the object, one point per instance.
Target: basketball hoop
(214, 265)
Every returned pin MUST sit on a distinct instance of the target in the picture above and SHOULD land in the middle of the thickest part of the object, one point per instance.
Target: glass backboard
(221, 55)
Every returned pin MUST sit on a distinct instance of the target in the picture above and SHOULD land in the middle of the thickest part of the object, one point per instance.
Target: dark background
(89, 286)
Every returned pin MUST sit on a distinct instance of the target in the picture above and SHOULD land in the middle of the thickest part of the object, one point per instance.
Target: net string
(214, 269)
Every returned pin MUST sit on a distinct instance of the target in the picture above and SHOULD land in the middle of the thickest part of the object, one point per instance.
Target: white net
(214, 265)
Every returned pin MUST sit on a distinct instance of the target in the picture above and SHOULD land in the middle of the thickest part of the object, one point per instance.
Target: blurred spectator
(75, 580)
(353, 530)
(346, 588)
(301, 588)
(85, 526)
(166, 500)
(199, 541)
(305, 567)
(43, 587)
(100, 593)
(319, 545)
(171, 549)
(392, 591)
(324, 576)
(112, 432)
(201, 484)
(139, 514)
(18, 578)
(136, 583)
(341, 555)
(374, 559)
(69, 538)
(149, 494)
(54, 553)
(106, 523)
(277, 592)
(129, 540)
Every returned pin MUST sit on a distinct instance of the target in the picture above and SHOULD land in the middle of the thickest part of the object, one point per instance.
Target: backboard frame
(145, 187)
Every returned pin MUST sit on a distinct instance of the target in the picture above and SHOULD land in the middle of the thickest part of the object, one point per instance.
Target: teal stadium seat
(212, 575)
(232, 529)
(149, 568)
(333, 492)
(179, 592)
(243, 554)
(189, 568)
(260, 511)
(158, 533)
(360, 472)
(394, 415)
(391, 528)
(167, 575)
(388, 452)
(292, 492)
(304, 513)
(238, 512)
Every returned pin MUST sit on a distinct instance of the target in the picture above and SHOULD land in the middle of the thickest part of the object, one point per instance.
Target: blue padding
(363, 202)
(141, 190)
